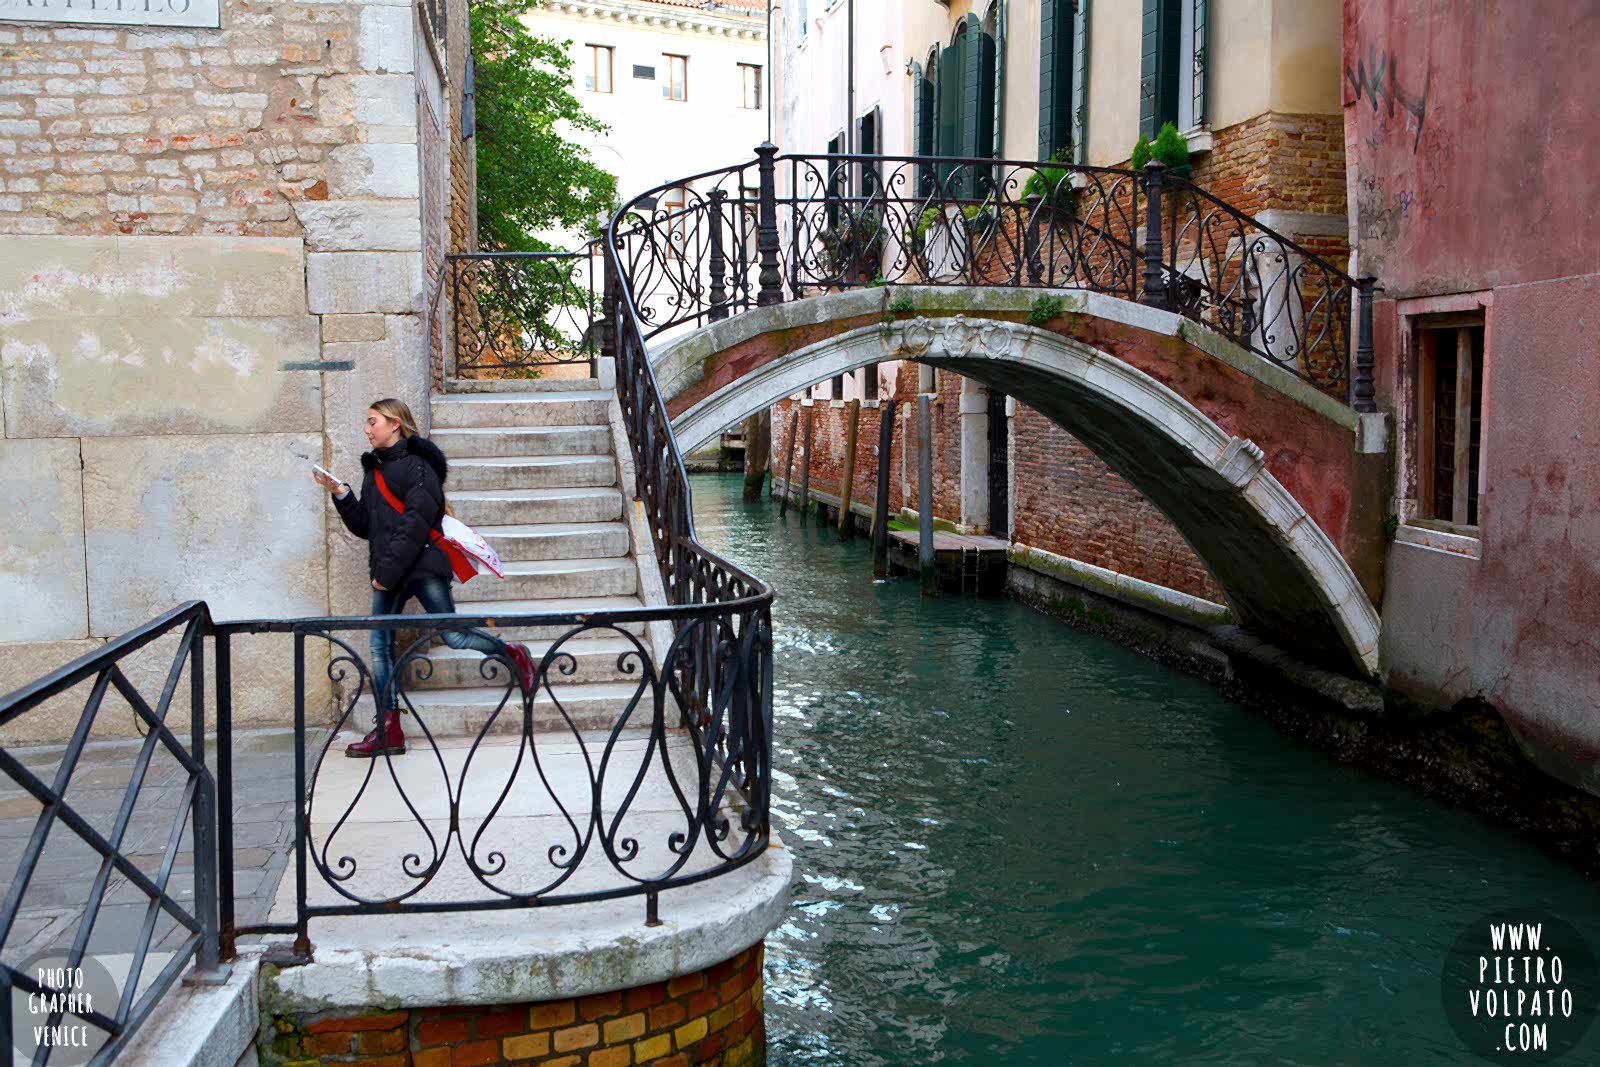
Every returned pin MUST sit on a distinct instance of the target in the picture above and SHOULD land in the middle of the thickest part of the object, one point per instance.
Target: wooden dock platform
(967, 563)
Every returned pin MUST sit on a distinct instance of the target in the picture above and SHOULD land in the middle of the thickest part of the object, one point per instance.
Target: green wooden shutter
(1080, 82)
(1056, 40)
(1158, 65)
(988, 86)
(1201, 58)
(972, 89)
(952, 67)
(922, 123)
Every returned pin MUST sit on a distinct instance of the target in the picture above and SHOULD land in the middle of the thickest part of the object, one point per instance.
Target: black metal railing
(65, 825)
(513, 314)
(695, 729)
(721, 242)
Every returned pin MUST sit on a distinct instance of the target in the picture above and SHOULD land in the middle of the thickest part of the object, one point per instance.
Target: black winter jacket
(398, 546)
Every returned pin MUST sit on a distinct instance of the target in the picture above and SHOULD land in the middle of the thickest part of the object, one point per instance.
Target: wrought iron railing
(696, 728)
(731, 239)
(62, 814)
(514, 314)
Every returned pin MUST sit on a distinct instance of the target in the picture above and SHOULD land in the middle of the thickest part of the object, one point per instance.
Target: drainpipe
(771, 70)
(850, 77)
(1000, 81)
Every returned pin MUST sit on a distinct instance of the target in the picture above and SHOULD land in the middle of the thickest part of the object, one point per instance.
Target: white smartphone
(330, 474)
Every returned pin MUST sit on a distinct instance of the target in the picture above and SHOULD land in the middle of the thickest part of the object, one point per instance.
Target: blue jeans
(433, 593)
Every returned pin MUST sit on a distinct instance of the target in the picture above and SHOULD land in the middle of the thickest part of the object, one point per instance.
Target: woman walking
(402, 559)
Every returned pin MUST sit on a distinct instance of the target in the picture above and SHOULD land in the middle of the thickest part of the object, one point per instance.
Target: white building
(682, 84)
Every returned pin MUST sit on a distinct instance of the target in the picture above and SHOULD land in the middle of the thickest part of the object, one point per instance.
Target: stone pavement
(263, 782)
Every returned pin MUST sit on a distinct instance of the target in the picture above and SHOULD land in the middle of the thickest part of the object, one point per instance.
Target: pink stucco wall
(1472, 146)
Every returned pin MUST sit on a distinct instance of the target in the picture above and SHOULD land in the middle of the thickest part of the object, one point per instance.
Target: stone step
(521, 385)
(473, 441)
(532, 472)
(547, 579)
(558, 540)
(463, 712)
(577, 408)
(597, 659)
(583, 605)
(513, 507)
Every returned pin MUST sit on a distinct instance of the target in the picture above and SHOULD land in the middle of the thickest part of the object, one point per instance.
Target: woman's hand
(378, 587)
(332, 485)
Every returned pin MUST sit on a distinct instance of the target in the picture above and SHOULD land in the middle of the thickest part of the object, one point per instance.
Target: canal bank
(1467, 754)
(1014, 838)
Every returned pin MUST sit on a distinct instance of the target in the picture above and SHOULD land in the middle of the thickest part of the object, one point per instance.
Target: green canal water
(1019, 844)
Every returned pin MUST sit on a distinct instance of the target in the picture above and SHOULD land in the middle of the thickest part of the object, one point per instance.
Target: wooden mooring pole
(805, 474)
(928, 570)
(852, 427)
(788, 463)
(880, 506)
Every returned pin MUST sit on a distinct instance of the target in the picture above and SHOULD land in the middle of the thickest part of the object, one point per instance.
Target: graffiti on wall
(1374, 79)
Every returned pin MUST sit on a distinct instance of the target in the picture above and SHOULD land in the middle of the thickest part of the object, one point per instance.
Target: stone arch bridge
(1278, 487)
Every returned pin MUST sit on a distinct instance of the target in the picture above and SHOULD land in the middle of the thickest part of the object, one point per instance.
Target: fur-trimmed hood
(420, 447)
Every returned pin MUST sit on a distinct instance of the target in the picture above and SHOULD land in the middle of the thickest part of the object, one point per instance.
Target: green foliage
(530, 177)
(1141, 153)
(878, 283)
(979, 215)
(929, 217)
(853, 241)
(902, 303)
(1044, 309)
(1049, 182)
(1391, 524)
(1171, 147)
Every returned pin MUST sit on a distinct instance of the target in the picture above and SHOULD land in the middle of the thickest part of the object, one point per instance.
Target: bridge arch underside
(1281, 574)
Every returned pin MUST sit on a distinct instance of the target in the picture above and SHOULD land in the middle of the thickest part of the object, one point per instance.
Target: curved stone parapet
(1272, 482)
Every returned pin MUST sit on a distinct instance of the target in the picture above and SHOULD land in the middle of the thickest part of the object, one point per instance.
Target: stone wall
(709, 1018)
(212, 266)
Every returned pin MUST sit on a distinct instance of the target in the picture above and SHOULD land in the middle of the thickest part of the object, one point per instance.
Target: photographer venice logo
(1521, 986)
(54, 1018)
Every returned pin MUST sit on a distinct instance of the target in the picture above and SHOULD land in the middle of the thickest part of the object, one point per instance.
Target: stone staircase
(534, 468)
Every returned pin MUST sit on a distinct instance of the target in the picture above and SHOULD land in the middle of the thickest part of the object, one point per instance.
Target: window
(1192, 65)
(867, 145)
(676, 86)
(750, 99)
(673, 214)
(838, 387)
(1158, 65)
(802, 20)
(597, 79)
(1449, 407)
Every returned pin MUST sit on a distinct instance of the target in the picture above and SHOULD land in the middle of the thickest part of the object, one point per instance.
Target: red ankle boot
(393, 741)
(522, 657)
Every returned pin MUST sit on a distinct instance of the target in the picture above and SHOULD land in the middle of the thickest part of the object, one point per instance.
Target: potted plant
(1169, 147)
(1051, 185)
(851, 244)
(980, 219)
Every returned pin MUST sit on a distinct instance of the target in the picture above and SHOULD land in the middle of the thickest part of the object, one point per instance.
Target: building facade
(1486, 355)
(222, 239)
(1253, 85)
(681, 86)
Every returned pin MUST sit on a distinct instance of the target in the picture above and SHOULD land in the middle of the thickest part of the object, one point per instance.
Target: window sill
(1201, 142)
(1463, 541)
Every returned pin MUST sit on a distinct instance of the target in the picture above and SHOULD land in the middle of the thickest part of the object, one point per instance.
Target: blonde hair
(390, 408)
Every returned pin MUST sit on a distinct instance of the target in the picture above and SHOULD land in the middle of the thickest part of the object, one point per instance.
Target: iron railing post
(1364, 395)
(771, 291)
(227, 921)
(206, 965)
(1155, 282)
(719, 261)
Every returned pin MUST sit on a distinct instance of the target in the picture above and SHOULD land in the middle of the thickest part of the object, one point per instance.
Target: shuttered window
(1080, 83)
(1055, 76)
(1159, 65)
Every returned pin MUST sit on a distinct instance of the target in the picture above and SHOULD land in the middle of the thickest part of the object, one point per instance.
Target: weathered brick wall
(168, 131)
(1277, 162)
(711, 1018)
(830, 433)
(1070, 503)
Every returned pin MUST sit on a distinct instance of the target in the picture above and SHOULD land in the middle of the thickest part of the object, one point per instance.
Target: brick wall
(711, 1018)
(1070, 503)
(167, 131)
